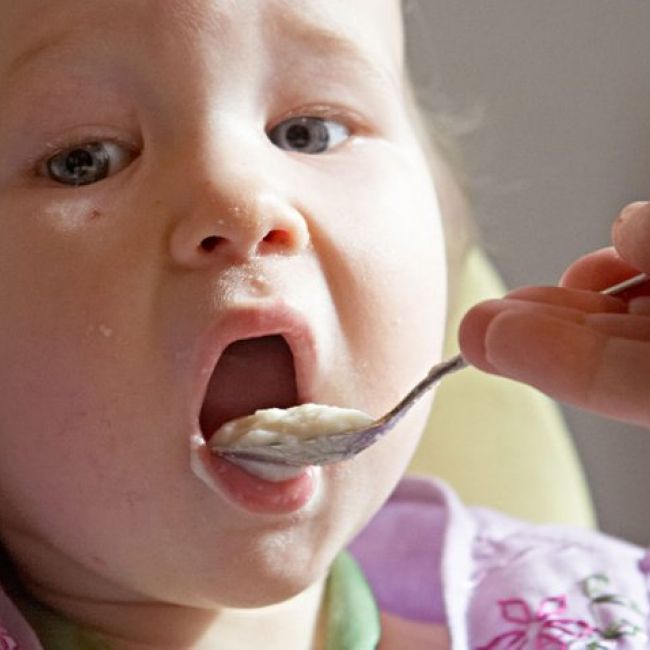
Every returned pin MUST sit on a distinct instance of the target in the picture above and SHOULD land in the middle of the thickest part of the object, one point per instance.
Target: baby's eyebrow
(331, 41)
(37, 49)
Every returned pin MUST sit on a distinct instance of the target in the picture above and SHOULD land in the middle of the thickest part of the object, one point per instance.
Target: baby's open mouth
(252, 400)
(251, 374)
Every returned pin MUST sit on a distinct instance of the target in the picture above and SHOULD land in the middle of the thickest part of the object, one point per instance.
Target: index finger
(573, 362)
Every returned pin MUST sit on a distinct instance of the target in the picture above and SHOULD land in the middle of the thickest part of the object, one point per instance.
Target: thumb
(631, 235)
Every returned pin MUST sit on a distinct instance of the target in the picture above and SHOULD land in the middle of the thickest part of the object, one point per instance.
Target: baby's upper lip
(256, 321)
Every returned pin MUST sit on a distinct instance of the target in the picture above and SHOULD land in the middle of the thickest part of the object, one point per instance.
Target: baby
(210, 207)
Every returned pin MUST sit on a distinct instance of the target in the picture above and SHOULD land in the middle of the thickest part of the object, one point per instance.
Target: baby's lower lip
(253, 493)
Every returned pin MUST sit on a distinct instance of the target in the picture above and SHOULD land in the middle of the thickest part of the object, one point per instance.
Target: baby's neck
(297, 624)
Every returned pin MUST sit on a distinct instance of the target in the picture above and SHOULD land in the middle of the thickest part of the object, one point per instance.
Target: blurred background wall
(551, 100)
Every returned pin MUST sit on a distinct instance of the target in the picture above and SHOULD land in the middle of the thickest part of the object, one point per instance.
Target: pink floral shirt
(499, 583)
(496, 582)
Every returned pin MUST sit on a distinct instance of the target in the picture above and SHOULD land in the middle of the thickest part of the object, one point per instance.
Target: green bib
(353, 621)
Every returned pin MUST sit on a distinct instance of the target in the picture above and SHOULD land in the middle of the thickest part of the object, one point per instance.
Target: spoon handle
(619, 288)
(458, 363)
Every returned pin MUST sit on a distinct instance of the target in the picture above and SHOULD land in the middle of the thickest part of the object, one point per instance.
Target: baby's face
(176, 176)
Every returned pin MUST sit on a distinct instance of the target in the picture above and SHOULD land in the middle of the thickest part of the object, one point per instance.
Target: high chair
(496, 442)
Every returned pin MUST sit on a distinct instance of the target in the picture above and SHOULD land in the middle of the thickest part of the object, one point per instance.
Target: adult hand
(571, 342)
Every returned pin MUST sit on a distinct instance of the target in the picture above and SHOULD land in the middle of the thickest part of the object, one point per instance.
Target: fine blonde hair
(452, 185)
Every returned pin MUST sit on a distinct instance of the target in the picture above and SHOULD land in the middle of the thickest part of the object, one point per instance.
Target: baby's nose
(237, 223)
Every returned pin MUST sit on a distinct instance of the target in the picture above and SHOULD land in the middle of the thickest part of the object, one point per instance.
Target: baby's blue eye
(87, 163)
(310, 135)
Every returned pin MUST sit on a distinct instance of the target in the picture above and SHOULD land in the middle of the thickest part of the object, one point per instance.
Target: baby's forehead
(361, 21)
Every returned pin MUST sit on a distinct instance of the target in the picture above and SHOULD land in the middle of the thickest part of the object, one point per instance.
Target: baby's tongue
(251, 374)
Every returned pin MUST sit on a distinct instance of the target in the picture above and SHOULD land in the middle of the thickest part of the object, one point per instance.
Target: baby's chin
(261, 582)
(264, 593)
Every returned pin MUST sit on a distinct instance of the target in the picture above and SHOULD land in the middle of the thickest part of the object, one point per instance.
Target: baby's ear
(631, 235)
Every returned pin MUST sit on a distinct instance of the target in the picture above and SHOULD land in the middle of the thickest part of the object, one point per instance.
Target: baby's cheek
(397, 272)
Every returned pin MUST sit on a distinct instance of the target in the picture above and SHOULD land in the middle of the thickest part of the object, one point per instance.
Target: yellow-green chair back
(498, 443)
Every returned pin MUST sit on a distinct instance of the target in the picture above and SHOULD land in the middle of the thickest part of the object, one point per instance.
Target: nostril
(210, 243)
(275, 237)
(281, 237)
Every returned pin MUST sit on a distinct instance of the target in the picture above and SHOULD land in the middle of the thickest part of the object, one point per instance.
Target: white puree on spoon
(267, 426)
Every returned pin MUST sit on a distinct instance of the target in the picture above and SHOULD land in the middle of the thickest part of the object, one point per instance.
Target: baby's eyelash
(63, 143)
(353, 120)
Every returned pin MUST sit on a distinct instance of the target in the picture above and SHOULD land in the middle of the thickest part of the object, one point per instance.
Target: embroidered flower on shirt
(548, 628)
(545, 629)
(6, 642)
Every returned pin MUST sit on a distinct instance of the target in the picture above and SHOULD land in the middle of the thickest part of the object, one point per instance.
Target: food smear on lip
(291, 425)
(248, 489)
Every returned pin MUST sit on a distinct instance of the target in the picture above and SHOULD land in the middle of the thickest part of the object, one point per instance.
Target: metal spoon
(334, 448)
